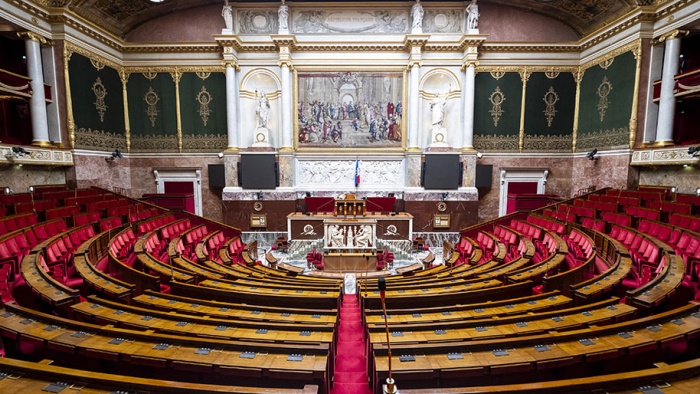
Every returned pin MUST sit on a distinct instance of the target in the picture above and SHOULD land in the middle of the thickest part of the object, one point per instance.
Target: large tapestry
(347, 109)
(152, 112)
(497, 104)
(607, 92)
(98, 103)
(550, 103)
(203, 111)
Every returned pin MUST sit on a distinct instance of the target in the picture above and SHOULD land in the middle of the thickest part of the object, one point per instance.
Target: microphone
(390, 386)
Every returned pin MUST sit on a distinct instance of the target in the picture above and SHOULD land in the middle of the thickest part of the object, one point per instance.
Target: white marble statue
(262, 110)
(283, 18)
(437, 109)
(417, 16)
(227, 13)
(473, 16)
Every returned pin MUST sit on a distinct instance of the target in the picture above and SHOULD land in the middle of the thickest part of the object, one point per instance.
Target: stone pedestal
(261, 139)
(439, 137)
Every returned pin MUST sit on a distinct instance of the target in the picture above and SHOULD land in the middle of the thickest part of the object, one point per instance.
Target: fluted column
(37, 104)
(413, 104)
(469, 91)
(287, 139)
(231, 107)
(667, 100)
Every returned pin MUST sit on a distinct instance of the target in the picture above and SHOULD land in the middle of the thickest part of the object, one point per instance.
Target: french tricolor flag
(357, 173)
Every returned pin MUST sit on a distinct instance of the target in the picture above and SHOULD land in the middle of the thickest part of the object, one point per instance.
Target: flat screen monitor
(258, 171)
(441, 172)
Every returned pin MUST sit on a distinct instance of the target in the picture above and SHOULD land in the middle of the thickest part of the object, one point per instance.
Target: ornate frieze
(36, 156)
(340, 174)
(665, 156)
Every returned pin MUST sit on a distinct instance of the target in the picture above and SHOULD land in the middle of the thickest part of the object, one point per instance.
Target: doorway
(181, 181)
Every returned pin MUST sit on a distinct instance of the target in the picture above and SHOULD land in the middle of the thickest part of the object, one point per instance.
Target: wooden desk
(33, 377)
(564, 351)
(158, 353)
(662, 286)
(223, 310)
(54, 293)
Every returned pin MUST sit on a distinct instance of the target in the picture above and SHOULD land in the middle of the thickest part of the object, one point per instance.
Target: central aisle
(351, 367)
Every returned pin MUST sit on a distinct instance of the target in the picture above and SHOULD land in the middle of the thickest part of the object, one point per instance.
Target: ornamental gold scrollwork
(151, 98)
(204, 98)
(203, 74)
(97, 64)
(550, 99)
(605, 64)
(497, 98)
(100, 92)
(604, 90)
(150, 75)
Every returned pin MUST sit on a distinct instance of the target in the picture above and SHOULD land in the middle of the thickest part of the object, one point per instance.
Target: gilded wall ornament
(151, 98)
(551, 74)
(203, 74)
(497, 98)
(204, 98)
(497, 74)
(97, 64)
(605, 64)
(550, 99)
(100, 93)
(150, 75)
(604, 90)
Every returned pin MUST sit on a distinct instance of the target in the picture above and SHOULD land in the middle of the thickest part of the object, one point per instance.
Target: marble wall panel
(237, 213)
(92, 170)
(686, 179)
(605, 171)
(462, 214)
(559, 181)
(20, 178)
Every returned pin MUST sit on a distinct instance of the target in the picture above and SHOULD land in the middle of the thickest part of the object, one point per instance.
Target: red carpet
(351, 367)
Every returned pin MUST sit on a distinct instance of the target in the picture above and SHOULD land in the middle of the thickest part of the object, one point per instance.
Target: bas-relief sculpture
(350, 21)
(443, 21)
(257, 21)
(340, 236)
(341, 173)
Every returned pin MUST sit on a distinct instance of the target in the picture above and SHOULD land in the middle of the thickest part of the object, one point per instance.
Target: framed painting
(349, 109)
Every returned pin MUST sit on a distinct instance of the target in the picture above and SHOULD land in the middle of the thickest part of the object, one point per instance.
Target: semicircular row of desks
(260, 300)
(523, 337)
(266, 335)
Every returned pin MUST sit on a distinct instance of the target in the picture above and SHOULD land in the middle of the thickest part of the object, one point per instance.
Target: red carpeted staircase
(351, 368)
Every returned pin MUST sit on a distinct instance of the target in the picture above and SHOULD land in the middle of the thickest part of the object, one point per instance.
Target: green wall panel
(152, 113)
(98, 105)
(496, 130)
(606, 104)
(203, 112)
(549, 127)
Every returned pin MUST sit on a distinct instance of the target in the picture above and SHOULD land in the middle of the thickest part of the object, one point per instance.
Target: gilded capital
(28, 35)
(673, 34)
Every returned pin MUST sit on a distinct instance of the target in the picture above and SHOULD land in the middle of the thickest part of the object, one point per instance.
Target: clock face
(258, 206)
(442, 206)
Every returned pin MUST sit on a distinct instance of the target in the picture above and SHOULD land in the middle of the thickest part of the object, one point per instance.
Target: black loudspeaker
(422, 175)
(239, 173)
(484, 176)
(217, 177)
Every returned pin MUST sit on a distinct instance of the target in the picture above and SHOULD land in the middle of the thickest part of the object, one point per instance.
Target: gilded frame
(309, 134)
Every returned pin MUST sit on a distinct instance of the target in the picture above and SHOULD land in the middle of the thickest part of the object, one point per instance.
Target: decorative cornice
(671, 35)
(633, 46)
(166, 48)
(539, 48)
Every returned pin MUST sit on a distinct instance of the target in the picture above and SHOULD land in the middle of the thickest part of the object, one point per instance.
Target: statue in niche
(227, 13)
(262, 110)
(437, 109)
(417, 16)
(283, 17)
(472, 16)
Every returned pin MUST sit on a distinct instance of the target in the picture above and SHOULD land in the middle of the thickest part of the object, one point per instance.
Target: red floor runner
(350, 375)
